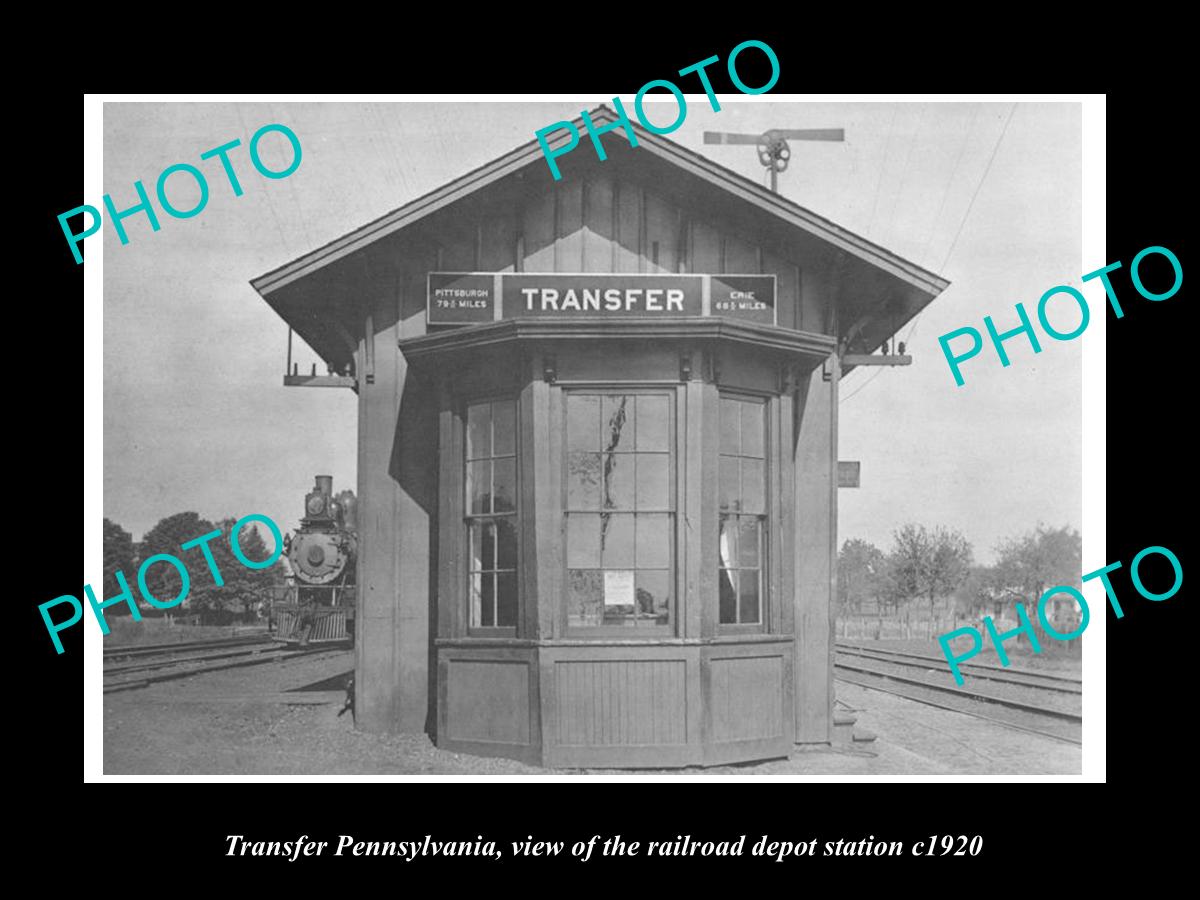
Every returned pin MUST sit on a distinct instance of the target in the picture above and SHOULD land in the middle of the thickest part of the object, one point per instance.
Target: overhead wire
(983, 178)
(266, 195)
(962, 151)
(904, 169)
(882, 168)
(962, 223)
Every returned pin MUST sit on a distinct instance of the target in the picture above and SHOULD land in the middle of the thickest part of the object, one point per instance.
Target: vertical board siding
(458, 247)
(538, 229)
(621, 702)
(598, 248)
(662, 235)
(787, 289)
(497, 240)
(629, 228)
(488, 701)
(746, 698)
(741, 257)
(605, 225)
(568, 244)
(706, 248)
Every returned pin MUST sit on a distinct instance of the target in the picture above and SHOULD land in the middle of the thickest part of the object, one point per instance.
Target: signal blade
(724, 137)
(812, 134)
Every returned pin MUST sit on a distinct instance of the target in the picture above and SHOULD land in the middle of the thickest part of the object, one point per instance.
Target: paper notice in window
(618, 587)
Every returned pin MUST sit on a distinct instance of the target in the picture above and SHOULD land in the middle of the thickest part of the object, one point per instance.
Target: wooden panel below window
(487, 700)
(746, 697)
(620, 702)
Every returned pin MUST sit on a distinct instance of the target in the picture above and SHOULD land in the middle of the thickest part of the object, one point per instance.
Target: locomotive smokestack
(325, 485)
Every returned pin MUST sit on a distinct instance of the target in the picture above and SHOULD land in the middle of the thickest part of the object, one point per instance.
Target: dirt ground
(255, 721)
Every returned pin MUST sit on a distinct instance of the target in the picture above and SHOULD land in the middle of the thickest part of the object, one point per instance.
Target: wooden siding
(488, 700)
(606, 224)
(746, 697)
(620, 701)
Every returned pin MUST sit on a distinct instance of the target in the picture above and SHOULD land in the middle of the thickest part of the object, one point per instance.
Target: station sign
(465, 298)
(849, 473)
(743, 297)
(461, 298)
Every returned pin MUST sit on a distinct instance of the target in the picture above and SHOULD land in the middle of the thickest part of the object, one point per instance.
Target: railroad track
(183, 646)
(1062, 684)
(870, 672)
(220, 655)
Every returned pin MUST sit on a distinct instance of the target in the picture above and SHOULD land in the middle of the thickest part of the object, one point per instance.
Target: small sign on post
(848, 473)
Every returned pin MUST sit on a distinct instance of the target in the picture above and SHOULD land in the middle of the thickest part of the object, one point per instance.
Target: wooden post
(816, 550)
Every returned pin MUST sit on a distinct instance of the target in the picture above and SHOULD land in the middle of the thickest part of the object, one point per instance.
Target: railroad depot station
(597, 452)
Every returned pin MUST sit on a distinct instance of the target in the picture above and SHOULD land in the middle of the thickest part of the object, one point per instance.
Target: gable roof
(688, 160)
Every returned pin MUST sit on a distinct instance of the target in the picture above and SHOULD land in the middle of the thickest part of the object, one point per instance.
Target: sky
(986, 194)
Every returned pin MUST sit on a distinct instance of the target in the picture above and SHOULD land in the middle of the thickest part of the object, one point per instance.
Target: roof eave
(531, 152)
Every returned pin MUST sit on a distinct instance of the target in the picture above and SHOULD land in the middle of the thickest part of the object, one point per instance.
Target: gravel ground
(251, 722)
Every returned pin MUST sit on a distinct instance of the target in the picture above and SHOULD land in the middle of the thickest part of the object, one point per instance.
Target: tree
(977, 593)
(929, 563)
(1032, 562)
(163, 579)
(860, 568)
(119, 556)
(242, 588)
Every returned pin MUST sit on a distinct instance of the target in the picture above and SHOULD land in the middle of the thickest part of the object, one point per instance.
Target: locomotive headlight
(316, 505)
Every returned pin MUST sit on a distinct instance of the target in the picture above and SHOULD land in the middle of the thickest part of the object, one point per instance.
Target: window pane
(506, 542)
(748, 542)
(653, 423)
(585, 597)
(583, 541)
(616, 541)
(488, 618)
(583, 480)
(504, 424)
(476, 589)
(583, 422)
(479, 486)
(479, 430)
(654, 595)
(653, 541)
(753, 500)
(728, 596)
(616, 430)
(730, 496)
(730, 426)
(475, 564)
(752, 429)
(489, 546)
(504, 475)
(506, 599)
(618, 481)
(748, 582)
(653, 481)
(728, 554)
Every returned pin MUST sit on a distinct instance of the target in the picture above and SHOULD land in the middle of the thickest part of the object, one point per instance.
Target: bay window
(742, 484)
(619, 509)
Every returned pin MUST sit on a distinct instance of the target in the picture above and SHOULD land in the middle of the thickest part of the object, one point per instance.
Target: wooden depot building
(597, 452)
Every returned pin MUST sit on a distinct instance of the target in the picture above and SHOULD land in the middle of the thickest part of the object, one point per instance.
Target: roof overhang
(878, 291)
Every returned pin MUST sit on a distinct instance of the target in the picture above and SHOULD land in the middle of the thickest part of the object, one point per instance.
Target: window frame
(766, 518)
(671, 392)
(466, 517)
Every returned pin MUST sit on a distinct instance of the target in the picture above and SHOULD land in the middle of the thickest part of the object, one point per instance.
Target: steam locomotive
(318, 603)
